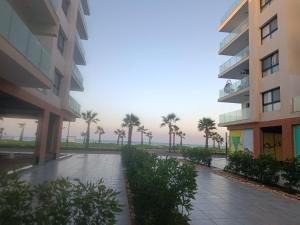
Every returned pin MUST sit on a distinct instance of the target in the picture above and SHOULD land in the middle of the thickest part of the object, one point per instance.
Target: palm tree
(1, 132)
(89, 117)
(214, 136)
(169, 121)
(83, 134)
(130, 121)
(22, 126)
(150, 136)
(219, 140)
(99, 131)
(122, 136)
(175, 130)
(143, 131)
(207, 125)
(182, 136)
(118, 133)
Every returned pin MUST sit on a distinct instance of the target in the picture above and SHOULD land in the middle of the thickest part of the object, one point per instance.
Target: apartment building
(263, 76)
(40, 54)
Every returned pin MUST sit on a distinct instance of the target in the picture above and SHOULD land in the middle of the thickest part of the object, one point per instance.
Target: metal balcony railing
(77, 74)
(235, 87)
(235, 116)
(18, 35)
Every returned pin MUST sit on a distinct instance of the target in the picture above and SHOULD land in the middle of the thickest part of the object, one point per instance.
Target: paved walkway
(86, 168)
(221, 201)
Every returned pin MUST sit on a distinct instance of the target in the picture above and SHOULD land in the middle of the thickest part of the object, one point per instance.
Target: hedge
(58, 202)
(265, 169)
(162, 189)
(198, 155)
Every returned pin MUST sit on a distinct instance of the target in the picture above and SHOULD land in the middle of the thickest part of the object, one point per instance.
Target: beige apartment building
(40, 54)
(263, 76)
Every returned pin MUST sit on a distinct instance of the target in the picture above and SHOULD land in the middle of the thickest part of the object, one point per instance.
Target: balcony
(237, 12)
(39, 15)
(79, 53)
(238, 116)
(235, 41)
(81, 24)
(296, 104)
(74, 106)
(237, 67)
(77, 80)
(237, 92)
(23, 60)
(85, 7)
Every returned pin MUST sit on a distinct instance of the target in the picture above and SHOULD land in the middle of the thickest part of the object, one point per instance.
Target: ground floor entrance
(280, 138)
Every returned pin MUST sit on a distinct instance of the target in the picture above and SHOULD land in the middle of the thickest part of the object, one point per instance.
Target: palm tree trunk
(206, 141)
(99, 140)
(122, 140)
(174, 140)
(170, 139)
(214, 144)
(181, 141)
(129, 135)
(142, 138)
(21, 135)
(118, 140)
(87, 140)
(219, 146)
(149, 141)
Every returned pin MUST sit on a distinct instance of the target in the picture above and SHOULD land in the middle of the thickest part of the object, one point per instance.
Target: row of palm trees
(207, 125)
(21, 126)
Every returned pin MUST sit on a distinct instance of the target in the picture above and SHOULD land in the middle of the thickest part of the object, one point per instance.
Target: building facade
(40, 51)
(263, 76)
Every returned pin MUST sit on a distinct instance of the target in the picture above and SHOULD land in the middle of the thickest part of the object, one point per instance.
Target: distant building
(263, 76)
(40, 48)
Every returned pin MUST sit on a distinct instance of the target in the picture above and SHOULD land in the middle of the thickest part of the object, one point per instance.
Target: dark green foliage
(198, 155)
(265, 168)
(15, 201)
(291, 173)
(162, 188)
(58, 202)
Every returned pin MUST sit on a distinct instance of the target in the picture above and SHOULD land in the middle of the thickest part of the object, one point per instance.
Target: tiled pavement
(219, 201)
(87, 168)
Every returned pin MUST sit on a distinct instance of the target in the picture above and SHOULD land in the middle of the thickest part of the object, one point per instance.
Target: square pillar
(257, 135)
(42, 135)
(57, 137)
(287, 141)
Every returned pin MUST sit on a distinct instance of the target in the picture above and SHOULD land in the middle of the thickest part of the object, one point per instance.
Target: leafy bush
(291, 173)
(162, 189)
(57, 202)
(198, 155)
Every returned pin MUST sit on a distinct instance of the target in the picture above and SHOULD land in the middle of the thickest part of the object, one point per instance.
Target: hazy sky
(152, 57)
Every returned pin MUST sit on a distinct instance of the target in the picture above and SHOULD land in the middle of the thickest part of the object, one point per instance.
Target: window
(268, 30)
(61, 39)
(65, 6)
(271, 100)
(57, 83)
(264, 3)
(270, 64)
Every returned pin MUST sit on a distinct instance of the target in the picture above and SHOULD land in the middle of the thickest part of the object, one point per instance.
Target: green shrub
(291, 173)
(57, 202)
(197, 155)
(162, 188)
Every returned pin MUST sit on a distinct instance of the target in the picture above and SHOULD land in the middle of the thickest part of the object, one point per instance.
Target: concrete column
(287, 140)
(257, 134)
(57, 138)
(42, 135)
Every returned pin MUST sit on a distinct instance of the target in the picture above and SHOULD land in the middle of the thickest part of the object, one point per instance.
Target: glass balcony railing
(82, 16)
(234, 60)
(74, 106)
(243, 114)
(235, 87)
(80, 46)
(241, 28)
(55, 3)
(233, 6)
(18, 35)
(77, 74)
(296, 104)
